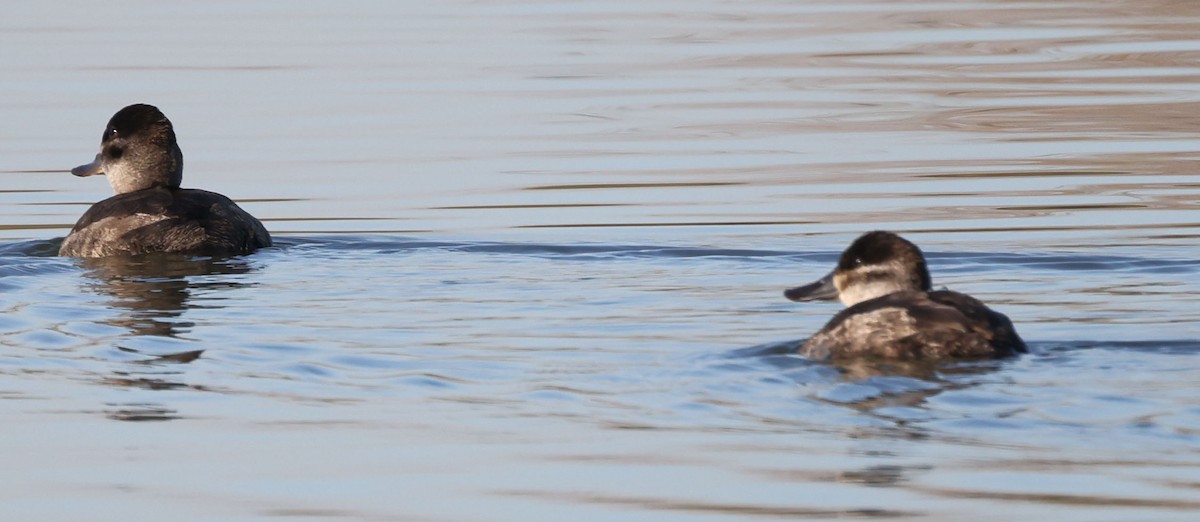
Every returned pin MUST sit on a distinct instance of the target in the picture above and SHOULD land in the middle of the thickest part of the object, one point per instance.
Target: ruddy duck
(894, 313)
(150, 213)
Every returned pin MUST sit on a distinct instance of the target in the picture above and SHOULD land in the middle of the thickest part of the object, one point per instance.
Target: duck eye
(858, 261)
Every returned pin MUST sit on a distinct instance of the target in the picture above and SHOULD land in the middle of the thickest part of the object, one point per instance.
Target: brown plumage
(150, 213)
(894, 313)
(157, 219)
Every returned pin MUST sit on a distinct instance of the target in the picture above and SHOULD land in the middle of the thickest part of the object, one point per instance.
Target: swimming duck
(893, 312)
(150, 213)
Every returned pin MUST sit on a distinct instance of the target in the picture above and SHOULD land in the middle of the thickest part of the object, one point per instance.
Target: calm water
(530, 260)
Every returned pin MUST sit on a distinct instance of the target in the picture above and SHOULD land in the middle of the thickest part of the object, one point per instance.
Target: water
(530, 260)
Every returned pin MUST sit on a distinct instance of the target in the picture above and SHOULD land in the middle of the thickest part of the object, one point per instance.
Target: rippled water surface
(530, 258)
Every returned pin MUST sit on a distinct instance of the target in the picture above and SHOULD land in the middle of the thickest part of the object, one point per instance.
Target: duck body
(892, 312)
(158, 219)
(916, 325)
(150, 212)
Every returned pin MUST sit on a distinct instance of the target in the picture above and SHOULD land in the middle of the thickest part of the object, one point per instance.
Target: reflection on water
(152, 293)
(607, 200)
(978, 122)
(612, 377)
(154, 289)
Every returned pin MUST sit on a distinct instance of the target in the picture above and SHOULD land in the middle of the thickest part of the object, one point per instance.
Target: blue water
(530, 260)
(583, 381)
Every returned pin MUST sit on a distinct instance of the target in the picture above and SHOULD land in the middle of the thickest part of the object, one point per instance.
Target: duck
(893, 312)
(149, 212)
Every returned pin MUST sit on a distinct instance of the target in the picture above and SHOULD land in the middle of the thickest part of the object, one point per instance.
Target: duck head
(137, 151)
(876, 264)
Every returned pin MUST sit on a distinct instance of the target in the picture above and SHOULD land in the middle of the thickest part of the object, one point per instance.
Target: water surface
(530, 260)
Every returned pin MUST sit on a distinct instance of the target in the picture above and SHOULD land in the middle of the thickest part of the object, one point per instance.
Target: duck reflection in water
(154, 290)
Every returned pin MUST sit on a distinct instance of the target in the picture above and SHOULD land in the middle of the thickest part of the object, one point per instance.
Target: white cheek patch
(124, 177)
(118, 178)
(868, 282)
(860, 292)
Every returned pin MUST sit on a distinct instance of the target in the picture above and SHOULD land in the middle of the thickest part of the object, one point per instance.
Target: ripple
(532, 264)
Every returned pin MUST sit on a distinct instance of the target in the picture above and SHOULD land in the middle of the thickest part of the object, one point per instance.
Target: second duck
(893, 312)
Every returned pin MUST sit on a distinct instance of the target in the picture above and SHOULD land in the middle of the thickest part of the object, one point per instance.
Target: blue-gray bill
(822, 289)
(90, 169)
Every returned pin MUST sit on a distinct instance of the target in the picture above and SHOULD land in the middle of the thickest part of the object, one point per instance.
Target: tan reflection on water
(1007, 91)
(730, 115)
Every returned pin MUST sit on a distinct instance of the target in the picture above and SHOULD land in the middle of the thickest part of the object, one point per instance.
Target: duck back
(916, 325)
(159, 219)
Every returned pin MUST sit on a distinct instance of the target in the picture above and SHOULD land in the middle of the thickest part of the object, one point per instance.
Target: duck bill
(91, 169)
(822, 289)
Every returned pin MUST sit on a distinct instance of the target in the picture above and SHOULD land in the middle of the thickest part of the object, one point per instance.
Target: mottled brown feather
(158, 219)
